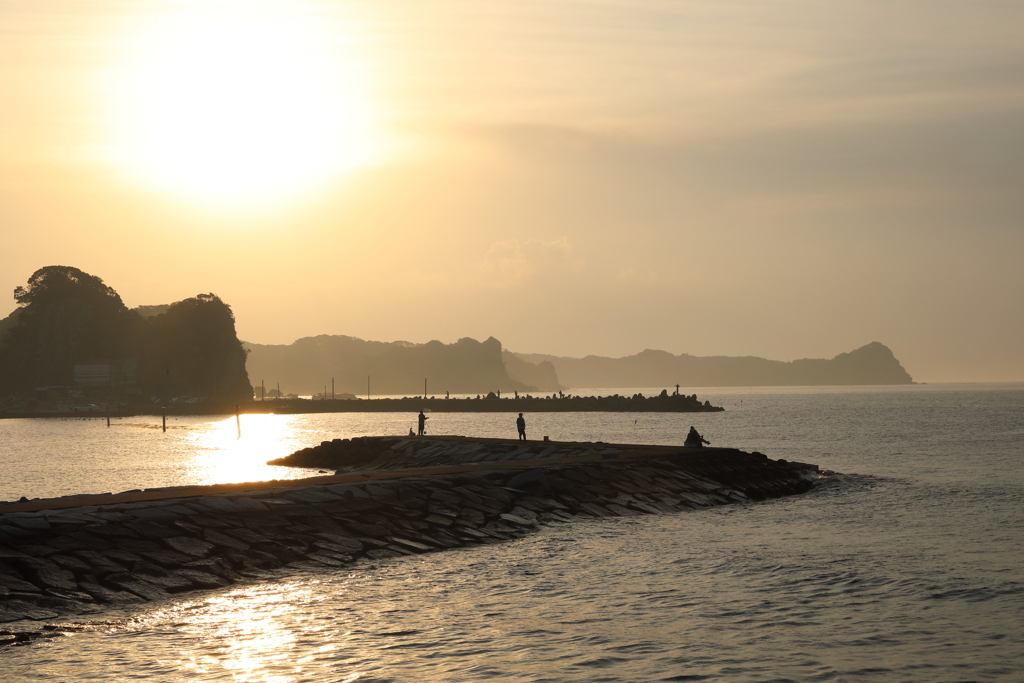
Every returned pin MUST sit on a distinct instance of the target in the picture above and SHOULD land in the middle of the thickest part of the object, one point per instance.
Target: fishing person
(694, 439)
(521, 426)
(423, 424)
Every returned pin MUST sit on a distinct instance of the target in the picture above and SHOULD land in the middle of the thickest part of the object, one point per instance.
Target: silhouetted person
(695, 440)
(411, 432)
(423, 424)
(521, 426)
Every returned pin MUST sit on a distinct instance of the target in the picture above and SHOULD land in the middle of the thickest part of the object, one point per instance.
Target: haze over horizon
(778, 180)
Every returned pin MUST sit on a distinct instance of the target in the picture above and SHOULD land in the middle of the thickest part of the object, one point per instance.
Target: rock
(215, 565)
(134, 584)
(27, 522)
(200, 578)
(188, 545)
(29, 611)
(412, 545)
(246, 535)
(621, 511)
(518, 521)
(138, 545)
(595, 509)
(224, 540)
(172, 582)
(15, 584)
(68, 594)
(349, 547)
(56, 578)
(167, 558)
(151, 530)
(382, 553)
(326, 559)
(528, 515)
(70, 563)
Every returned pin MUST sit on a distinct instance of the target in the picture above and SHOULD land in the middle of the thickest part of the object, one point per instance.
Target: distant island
(307, 367)
(873, 363)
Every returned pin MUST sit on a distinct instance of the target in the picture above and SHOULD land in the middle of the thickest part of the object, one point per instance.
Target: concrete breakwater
(491, 403)
(75, 557)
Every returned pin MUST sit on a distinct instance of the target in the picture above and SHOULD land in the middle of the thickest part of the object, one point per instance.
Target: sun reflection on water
(254, 633)
(237, 449)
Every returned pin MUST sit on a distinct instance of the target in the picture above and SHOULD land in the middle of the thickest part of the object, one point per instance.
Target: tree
(194, 350)
(66, 316)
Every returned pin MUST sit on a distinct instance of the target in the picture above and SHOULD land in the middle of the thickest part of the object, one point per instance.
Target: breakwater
(492, 403)
(79, 556)
(637, 403)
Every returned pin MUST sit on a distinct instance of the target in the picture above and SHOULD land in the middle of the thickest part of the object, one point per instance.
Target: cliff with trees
(66, 317)
(308, 365)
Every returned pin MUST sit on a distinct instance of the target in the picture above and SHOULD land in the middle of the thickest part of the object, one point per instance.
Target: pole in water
(238, 422)
(165, 420)
(108, 414)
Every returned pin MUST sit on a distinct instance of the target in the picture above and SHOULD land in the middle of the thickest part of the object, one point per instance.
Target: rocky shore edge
(64, 564)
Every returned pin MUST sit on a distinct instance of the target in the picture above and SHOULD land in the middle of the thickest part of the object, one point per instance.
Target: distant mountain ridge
(467, 366)
(873, 363)
(309, 364)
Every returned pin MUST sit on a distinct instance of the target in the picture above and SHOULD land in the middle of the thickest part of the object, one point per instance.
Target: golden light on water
(255, 631)
(239, 104)
(221, 456)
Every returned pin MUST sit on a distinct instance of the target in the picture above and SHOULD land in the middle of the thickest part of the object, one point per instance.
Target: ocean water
(907, 566)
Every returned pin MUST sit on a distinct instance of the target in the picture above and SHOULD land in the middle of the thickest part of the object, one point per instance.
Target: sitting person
(695, 440)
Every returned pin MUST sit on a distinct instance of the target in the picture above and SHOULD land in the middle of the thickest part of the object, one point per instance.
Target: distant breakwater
(638, 403)
(74, 557)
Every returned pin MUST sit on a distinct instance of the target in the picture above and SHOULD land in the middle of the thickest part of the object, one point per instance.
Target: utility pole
(263, 390)
(424, 388)
(367, 387)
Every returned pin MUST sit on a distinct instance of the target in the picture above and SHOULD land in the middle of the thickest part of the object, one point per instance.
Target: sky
(786, 179)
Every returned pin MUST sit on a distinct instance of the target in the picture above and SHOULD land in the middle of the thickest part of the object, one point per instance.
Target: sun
(240, 103)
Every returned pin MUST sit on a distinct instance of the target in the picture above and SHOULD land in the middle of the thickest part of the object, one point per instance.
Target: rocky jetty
(492, 403)
(64, 559)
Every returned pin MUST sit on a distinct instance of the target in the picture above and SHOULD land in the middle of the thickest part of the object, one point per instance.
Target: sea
(905, 562)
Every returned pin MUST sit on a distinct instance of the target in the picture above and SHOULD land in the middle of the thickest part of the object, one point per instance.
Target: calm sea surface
(907, 567)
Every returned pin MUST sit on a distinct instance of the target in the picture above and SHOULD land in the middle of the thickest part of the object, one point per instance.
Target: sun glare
(240, 102)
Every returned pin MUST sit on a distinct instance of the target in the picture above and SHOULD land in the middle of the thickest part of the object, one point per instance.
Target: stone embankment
(79, 556)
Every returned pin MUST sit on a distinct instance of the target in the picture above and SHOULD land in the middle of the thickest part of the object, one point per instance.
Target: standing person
(521, 426)
(423, 424)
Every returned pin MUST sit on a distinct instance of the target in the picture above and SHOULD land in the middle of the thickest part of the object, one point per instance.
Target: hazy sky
(783, 179)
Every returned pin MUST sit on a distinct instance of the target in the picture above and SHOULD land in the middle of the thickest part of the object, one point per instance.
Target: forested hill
(309, 364)
(66, 316)
(870, 364)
